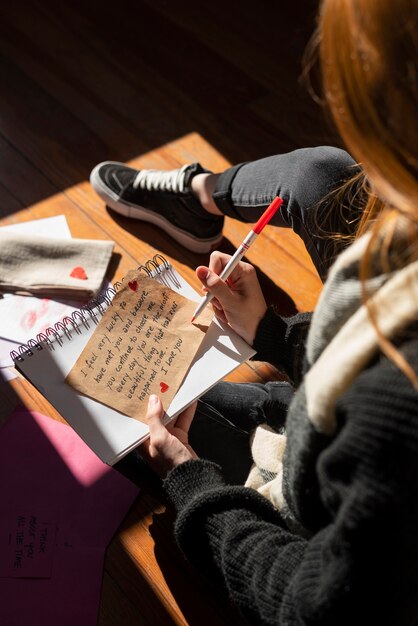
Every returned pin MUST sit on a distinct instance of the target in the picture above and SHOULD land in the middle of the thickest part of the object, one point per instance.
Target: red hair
(369, 65)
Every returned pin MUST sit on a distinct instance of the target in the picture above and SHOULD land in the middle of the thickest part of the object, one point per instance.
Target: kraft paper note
(143, 345)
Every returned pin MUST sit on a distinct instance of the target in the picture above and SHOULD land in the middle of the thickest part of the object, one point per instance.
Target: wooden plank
(256, 41)
(156, 555)
(204, 108)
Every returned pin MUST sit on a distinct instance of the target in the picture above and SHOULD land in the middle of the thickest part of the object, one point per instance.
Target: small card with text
(27, 542)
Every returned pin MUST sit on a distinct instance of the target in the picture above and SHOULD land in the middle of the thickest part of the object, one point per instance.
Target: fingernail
(203, 273)
(153, 399)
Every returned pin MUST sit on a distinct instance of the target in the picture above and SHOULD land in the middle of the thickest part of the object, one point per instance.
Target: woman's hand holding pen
(238, 301)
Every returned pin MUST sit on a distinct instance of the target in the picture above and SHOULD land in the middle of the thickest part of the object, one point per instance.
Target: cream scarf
(342, 341)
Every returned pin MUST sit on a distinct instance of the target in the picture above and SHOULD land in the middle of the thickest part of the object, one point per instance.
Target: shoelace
(157, 180)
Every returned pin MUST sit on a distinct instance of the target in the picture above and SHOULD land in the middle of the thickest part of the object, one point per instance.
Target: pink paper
(59, 509)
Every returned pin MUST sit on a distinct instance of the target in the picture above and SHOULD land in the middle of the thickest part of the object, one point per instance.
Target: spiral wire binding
(158, 267)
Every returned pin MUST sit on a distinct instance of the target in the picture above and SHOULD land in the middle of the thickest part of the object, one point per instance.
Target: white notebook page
(107, 431)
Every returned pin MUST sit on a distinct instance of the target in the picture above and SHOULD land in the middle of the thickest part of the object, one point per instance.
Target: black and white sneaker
(163, 198)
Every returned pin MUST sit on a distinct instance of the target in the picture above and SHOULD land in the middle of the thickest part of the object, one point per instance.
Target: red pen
(242, 250)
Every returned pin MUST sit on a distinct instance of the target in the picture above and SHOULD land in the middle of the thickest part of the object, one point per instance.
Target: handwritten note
(143, 344)
(27, 540)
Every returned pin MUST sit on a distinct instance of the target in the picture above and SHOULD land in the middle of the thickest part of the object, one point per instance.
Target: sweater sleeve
(235, 537)
(281, 341)
(361, 564)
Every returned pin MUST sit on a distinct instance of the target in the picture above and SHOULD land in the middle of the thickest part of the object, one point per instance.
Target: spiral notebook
(47, 359)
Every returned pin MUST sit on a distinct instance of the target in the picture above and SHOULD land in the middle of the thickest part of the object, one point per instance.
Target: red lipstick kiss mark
(163, 387)
(79, 272)
(133, 285)
(28, 320)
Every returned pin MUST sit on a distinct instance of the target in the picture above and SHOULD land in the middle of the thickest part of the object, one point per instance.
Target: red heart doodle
(133, 285)
(163, 387)
(79, 272)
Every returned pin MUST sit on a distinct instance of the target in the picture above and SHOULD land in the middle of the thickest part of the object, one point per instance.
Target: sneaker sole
(135, 211)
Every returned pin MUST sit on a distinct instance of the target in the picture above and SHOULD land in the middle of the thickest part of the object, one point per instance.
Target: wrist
(249, 333)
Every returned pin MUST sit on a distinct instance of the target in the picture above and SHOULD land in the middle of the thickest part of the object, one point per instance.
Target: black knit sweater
(355, 493)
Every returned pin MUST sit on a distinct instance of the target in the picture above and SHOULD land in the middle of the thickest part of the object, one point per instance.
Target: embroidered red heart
(79, 272)
(133, 285)
(163, 387)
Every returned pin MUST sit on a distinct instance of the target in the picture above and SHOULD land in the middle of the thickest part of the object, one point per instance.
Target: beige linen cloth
(52, 267)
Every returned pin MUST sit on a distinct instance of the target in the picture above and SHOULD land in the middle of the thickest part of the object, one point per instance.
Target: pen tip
(193, 319)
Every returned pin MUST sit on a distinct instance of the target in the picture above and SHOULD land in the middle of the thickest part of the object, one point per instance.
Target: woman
(332, 537)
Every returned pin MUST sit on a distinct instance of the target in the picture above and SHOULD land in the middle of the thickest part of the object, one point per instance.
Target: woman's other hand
(168, 446)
